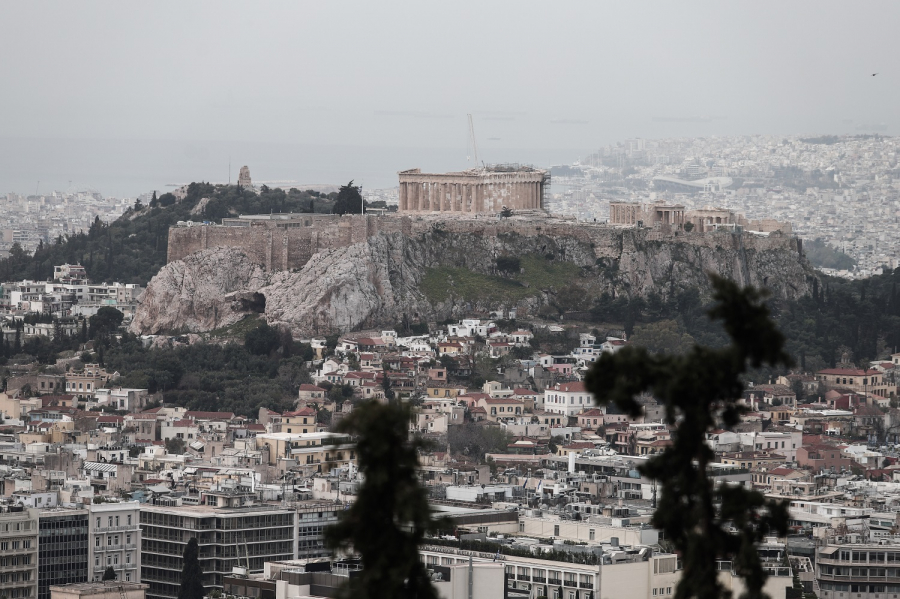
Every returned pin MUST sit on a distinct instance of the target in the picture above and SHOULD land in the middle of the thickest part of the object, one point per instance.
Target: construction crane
(474, 144)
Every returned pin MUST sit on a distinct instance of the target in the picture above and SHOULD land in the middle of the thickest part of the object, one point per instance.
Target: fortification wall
(278, 247)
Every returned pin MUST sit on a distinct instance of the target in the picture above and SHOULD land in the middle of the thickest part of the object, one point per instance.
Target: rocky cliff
(437, 274)
(200, 293)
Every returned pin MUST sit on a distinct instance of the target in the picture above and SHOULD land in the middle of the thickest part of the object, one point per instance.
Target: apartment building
(62, 548)
(228, 537)
(115, 540)
(324, 451)
(312, 519)
(18, 553)
(860, 571)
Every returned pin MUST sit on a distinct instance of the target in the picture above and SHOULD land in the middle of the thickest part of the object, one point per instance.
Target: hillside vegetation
(133, 248)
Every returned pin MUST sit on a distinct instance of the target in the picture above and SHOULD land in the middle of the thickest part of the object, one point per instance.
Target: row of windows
(15, 545)
(113, 521)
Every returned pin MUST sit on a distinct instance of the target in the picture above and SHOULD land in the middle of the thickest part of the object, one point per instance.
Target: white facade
(114, 539)
(568, 398)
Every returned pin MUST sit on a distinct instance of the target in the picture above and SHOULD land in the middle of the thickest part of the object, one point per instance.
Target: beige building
(476, 190)
(86, 382)
(323, 451)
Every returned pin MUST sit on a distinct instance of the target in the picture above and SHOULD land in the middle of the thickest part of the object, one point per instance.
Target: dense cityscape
(449, 301)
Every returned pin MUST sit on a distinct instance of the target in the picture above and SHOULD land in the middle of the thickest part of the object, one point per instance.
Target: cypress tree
(191, 574)
(391, 515)
(700, 391)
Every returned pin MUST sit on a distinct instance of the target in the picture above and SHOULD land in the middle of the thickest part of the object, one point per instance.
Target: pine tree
(191, 574)
(698, 389)
(109, 573)
(391, 515)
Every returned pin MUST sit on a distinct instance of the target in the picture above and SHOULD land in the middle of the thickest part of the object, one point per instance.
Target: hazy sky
(535, 75)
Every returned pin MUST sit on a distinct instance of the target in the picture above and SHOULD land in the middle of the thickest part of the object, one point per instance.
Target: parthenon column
(404, 196)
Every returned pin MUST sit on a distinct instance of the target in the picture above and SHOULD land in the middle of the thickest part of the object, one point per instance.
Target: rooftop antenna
(474, 144)
(229, 170)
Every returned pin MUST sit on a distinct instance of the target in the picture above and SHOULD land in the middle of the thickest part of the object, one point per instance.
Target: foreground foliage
(696, 389)
(390, 517)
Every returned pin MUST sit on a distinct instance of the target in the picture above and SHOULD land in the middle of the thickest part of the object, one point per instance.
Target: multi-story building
(62, 548)
(18, 552)
(115, 540)
(228, 537)
(311, 522)
(86, 382)
(858, 571)
(568, 398)
(322, 451)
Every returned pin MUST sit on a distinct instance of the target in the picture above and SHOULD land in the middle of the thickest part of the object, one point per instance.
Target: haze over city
(124, 99)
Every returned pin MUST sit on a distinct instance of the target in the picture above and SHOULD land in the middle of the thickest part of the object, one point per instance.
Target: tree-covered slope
(132, 248)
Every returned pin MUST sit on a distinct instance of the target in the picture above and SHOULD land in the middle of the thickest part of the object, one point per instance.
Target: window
(129, 520)
(556, 530)
(117, 520)
(110, 521)
(591, 533)
(96, 541)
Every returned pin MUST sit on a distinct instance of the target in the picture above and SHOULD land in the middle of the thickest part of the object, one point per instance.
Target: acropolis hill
(325, 273)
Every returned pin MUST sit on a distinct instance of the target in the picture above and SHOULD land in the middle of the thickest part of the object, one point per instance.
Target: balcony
(586, 585)
(861, 579)
(131, 527)
(539, 579)
(554, 581)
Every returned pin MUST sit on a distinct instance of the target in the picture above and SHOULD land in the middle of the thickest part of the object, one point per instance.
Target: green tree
(105, 321)
(349, 200)
(175, 446)
(665, 336)
(389, 519)
(697, 389)
(262, 340)
(109, 573)
(191, 573)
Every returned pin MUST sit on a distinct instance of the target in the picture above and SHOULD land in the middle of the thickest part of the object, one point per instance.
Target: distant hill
(132, 248)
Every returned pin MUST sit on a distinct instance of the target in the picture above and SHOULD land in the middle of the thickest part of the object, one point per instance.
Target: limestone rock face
(200, 293)
(390, 278)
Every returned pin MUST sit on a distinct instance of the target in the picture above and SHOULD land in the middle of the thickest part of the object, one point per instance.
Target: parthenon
(479, 190)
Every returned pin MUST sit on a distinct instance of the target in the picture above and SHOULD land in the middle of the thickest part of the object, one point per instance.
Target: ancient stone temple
(244, 177)
(480, 190)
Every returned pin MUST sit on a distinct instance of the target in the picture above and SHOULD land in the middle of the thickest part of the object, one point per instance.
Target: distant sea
(128, 168)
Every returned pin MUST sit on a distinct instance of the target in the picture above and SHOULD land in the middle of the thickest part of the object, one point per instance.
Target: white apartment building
(568, 398)
(114, 532)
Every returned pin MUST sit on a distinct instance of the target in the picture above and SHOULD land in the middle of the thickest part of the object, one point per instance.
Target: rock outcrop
(207, 290)
(381, 280)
